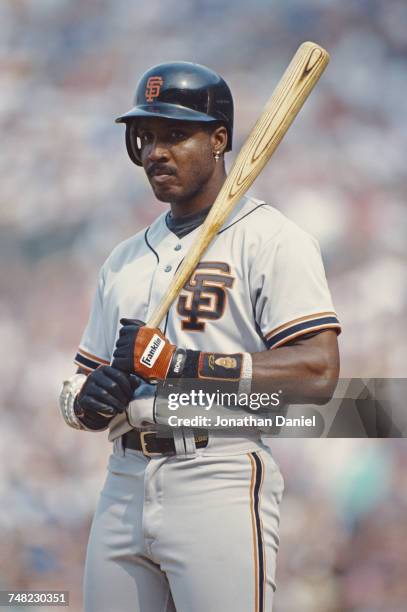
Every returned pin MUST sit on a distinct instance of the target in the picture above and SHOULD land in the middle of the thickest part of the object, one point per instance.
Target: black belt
(150, 443)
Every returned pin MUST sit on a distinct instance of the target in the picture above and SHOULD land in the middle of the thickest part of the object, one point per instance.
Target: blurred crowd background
(69, 193)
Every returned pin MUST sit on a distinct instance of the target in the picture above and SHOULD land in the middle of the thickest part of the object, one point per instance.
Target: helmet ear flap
(132, 143)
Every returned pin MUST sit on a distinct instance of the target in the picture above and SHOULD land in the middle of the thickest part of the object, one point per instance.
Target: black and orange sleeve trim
(301, 326)
(88, 361)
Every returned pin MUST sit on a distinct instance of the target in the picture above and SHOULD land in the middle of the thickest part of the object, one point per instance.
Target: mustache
(159, 169)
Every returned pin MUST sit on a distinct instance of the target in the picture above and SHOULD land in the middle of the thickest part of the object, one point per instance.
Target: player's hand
(143, 350)
(106, 392)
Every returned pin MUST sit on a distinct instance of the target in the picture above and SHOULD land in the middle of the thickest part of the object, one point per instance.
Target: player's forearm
(306, 372)
(306, 369)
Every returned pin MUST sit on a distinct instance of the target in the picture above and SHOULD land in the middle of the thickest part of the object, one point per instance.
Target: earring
(216, 155)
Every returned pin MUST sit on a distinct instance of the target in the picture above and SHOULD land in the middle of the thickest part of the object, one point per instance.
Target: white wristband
(245, 383)
(69, 391)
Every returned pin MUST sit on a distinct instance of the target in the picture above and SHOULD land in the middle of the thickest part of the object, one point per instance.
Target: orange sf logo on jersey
(153, 88)
(204, 296)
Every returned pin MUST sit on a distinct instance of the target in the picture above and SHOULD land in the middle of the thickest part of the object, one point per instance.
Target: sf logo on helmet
(153, 88)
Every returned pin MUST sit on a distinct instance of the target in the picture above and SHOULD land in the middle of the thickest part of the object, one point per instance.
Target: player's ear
(219, 138)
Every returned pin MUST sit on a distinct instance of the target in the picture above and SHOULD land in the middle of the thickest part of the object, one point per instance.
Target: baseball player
(187, 519)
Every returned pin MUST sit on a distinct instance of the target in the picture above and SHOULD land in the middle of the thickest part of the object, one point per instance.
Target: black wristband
(184, 364)
(196, 365)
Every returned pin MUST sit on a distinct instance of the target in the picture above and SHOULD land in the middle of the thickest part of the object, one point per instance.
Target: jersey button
(178, 247)
(168, 268)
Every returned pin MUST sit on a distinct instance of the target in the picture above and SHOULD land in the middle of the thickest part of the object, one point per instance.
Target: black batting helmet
(183, 91)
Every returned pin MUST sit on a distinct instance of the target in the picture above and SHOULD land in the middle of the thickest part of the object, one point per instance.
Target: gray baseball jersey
(198, 530)
(260, 284)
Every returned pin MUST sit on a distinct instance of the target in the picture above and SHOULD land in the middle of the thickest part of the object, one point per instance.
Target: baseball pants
(196, 534)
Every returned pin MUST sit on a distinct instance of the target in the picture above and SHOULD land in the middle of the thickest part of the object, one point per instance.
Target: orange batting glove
(142, 350)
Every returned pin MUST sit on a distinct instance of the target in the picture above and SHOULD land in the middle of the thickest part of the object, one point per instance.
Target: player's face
(177, 157)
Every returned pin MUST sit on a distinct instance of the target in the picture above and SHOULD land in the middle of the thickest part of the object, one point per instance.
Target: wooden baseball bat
(280, 111)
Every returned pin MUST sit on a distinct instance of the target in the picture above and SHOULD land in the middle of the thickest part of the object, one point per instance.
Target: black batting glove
(105, 393)
(123, 356)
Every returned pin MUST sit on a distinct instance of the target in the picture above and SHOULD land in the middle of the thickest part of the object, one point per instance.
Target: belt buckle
(143, 443)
